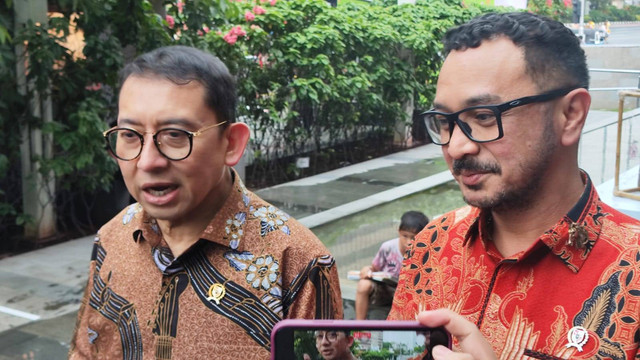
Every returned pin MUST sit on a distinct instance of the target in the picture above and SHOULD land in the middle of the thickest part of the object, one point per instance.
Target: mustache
(470, 164)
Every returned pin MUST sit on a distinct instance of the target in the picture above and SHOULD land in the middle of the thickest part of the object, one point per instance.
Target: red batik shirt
(566, 297)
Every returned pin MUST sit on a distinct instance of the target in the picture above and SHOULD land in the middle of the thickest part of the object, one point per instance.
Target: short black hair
(552, 51)
(413, 221)
(183, 64)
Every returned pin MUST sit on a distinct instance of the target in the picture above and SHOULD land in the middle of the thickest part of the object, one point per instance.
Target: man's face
(173, 191)
(504, 174)
(333, 345)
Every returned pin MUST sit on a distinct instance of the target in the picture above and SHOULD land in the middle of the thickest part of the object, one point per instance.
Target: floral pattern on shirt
(262, 272)
(271, 219)
(132, 210)
(233, 229)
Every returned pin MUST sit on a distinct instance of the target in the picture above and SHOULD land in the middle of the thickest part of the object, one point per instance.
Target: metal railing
(617, 71)
(597, 152)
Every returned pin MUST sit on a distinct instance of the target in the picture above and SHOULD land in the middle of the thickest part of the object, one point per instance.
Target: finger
(455, 324)
(469, 338)
(443, 353)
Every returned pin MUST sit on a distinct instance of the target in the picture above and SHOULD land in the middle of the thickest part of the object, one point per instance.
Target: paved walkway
(40, 291)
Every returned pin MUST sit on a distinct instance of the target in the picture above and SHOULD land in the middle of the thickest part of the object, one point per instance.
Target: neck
(516, 230)
(182, 234)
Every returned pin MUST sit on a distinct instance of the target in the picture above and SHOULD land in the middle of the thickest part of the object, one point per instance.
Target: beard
(513, 196)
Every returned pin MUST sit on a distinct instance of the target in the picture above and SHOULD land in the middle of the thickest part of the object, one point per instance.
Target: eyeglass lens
(127, 144)
(330, 335)
(480, 124)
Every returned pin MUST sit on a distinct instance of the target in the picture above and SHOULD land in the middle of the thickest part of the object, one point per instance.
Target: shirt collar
(226, 227)
(571, 239)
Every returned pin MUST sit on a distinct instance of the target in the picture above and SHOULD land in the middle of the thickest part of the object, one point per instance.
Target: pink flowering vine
(171, 21)
(258, 10)
(272, 2)
(234, 33)
(230, 38)
(180, 6)
(248, 15)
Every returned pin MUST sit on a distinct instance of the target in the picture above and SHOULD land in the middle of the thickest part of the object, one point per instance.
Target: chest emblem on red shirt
(577, 337)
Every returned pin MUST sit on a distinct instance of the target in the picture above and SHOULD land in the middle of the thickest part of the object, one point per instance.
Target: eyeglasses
(331, 336)
(174, 144)
(482, 123)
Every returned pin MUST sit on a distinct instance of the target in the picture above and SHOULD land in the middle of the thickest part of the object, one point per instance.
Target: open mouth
(160, 190)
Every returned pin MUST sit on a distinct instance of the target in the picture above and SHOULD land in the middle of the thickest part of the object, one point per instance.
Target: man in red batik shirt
(537, 266)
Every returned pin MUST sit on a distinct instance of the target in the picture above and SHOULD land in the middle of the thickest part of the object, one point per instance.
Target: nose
(460, 145)
(150, 158)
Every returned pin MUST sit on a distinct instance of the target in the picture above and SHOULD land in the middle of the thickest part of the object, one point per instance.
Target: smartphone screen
(351, 339)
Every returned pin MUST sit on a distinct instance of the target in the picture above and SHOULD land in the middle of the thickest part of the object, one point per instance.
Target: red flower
(94, 87)
(237, 31)
(248, 15)
(180, 6)
(272, 2)
(206, 29)
(258, 10)
(171, 21)
(230, 38)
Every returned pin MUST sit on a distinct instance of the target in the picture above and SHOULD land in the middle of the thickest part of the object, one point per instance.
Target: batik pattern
(263, 265)
(527, 305)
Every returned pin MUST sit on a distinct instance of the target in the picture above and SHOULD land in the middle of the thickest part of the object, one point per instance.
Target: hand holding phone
(352, 339)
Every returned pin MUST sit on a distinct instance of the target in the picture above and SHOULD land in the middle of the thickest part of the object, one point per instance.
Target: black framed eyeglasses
(481, 123)
(174, 144)
(331, 336)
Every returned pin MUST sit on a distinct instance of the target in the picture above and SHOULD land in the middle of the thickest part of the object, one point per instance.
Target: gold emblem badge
(577, 337)
(216, 293)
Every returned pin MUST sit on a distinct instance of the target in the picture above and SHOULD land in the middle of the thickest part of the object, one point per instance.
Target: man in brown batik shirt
(199, 267)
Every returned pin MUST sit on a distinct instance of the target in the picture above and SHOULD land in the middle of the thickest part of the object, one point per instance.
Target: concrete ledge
(376, 199)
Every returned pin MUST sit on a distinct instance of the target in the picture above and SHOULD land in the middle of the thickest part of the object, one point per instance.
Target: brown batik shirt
(253, 266)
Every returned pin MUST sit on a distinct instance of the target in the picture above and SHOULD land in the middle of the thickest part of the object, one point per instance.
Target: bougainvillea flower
(237, 31)
(248, 15)
(230, 38)
(171, 21)
(258, 10)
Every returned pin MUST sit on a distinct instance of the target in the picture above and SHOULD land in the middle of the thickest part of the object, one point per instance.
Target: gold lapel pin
(216, 293)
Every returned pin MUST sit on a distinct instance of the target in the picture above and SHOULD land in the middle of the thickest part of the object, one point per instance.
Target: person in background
(537, 266)
(334, 345)
(200, 267)
(389, 260)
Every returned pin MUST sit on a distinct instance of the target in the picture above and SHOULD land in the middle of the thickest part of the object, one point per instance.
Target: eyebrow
(161, 124)
(484, 99)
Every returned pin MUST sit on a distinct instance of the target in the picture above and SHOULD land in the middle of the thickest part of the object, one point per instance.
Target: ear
(350, 340)
(237, 135)
(575, 106)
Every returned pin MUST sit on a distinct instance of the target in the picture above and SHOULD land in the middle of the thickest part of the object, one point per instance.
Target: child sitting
(388, 259)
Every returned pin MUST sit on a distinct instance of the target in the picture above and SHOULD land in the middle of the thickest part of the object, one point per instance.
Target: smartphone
(297, 339)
